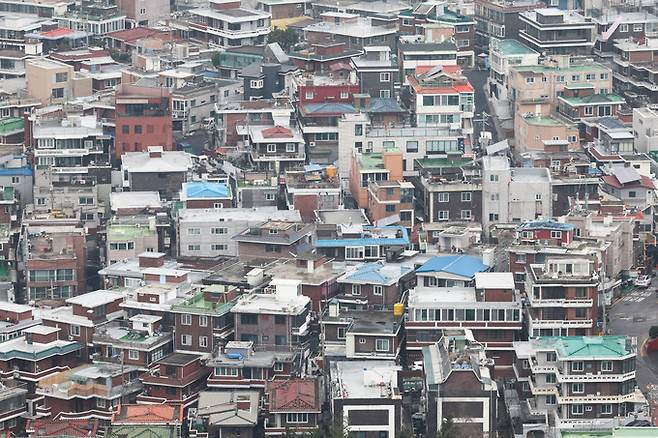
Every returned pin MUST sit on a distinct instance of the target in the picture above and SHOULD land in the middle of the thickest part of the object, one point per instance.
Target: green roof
(8, 126)
(199, 303)
(126, 232)
(453, 17)
(514, 47)
(543, 121)
(371, 161)
(585, 346)
(7, 194)
(621, 432)
(593, 99)
(141, 431)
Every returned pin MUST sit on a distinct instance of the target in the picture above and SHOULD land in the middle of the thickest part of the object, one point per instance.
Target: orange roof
(148, 414)
(451, 69)
(277, 132)
(294, 395)
(60, 31)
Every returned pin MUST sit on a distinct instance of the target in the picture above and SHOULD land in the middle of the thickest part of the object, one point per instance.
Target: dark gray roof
(384, 105)
(418, 47)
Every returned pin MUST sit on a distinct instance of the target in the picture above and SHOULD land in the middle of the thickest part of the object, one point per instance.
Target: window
(356, 289)
(556, 234)
(203, 321)
(577, 409)
(138, 129)
(354, 253)
(638, 27)
(463, 43)
(530, 80)
(280, 340)
(203, 341)
(193, 231)
(248, 318)
(390, 208)
(225, 371)
(466, 196)
(101, 403)
(378, 290)
(444, 197)
(560, 79)
(382, 345)
(278, 367)
(444, 215)
(606, 365)
(384, 77)
(308, 95)
(412, 146)
(259, 84)
(297, 417)
(385, 94)
(61, 77)
(74, 330)
(572, 139)
(495, 196)
(465, 215)
(525, 387)
(194, 247)
(340, 334)
(291, 147)
(270, 196)
(493, 216)
(589, 110)
(551, 356)
(632, 194)
(133, 354)
(186, 340)
(218, 230)
(550, 378)
(344, 95)
(86, 201)
(604, 76)
(606, 409)
(577, 366)
(590, 76)
(577, 388)
(271, 148)
(15, 179)
(493, 178)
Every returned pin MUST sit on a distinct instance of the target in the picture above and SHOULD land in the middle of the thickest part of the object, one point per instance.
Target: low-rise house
(206, 194)
(227, 24)
(239, 366)
(458, 383)
(293, 404)
(376, 71)
(275, 148)
(388, 199)
(377, 285)
(17, 317)
(88, 391)
(361, 243)
(176, 380)
(13, 406)
(365, 396)
(51, 428)
(317, 187)
(273, 240)
(226, 413)
(156, 170)
(450, 271)
(539, 133)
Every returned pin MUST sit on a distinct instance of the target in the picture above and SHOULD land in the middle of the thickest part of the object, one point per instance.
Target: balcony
(542, 390)
(227, 33)
(542, 369)
(558, 323)
(598, 398)
(600, 377)
(561, 302)
(288, 156)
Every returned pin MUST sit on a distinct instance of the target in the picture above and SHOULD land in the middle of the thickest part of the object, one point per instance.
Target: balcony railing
(287, 156)
(601, 377)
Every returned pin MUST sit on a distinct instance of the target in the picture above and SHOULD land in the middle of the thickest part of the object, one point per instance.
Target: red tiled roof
(70, 428)
(136, 33)
(451, 69)
(339, 66)
(60, 31)
(294, 395)
(148, 414)
(277, 132)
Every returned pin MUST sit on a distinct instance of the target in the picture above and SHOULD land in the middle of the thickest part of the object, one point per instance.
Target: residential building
(574, 381)
(206, 195)
(267, 79)
(617, 27)
(53, 82)
(55, 262)
(503, 55)
(368, 167)
(365, 396)
(275, 148)
(126, 241)
(315, 188)
(279, 320)
(563, 297)
(156, 170)
(388, 199)
(194, 102)
(96, 17)
(626, 184)
(450, 271)
(583, 102)
(52, 428)
(239, 366)
(143, 119)
(273, 240)
(13, 406)
(207, 233)
(17, 173)
(293, 404)
(376, 71)
(177, 382)
(633, 69)
(554, 31)
(144, 13)
(377, 285)
(226, 412)
(88, 391)
(458, 379)
(526, 194)
(361, 242)
(413, 54)
(227, 24)
(354, 31)
(645, 126)
(539, 133)
(497, 19)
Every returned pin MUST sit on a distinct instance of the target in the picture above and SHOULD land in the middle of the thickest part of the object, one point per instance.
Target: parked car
(643, 281)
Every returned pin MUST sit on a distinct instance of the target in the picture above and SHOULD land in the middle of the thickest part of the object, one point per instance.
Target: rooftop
(295, 395)
(215, 405)
(364, 379)
(465, 266)
(271, 304)
(513, 48)
(545, 225)
(543, 121)
(168, 161)
(148, 414)
(205, 190)
(368, 235)
(375, 273)
(135, 200)
(96, 298)
(494, 280)
(582, 347)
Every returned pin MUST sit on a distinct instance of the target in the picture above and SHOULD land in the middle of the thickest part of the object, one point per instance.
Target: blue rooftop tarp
(207, 190)
(372, 273)
(545, 225)
(461, 265)
(366, 241)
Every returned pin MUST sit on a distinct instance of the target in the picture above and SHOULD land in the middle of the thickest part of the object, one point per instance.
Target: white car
(643, 281)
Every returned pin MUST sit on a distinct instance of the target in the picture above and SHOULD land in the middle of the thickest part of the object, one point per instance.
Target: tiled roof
(586, 346)
(461, 265)
(277, 132)
(57, 428)
(148, 414)
(329, 108)
(294, 395)
(644, 181)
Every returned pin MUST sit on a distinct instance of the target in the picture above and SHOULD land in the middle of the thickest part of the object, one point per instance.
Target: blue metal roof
(461, 265)
(206, 190)
(545, 225)
(17, 171)
(373, 273)
(366, 241)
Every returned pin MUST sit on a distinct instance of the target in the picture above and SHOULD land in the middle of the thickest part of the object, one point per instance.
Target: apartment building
(543, 133)
(361, 243)
(178, 380)
(442, 97)
(613, 28)
(96, 17)
(413, 54)
(206, 232)
(368, 167)
(575, 382)
(228, 24)
(554, 31)
(376, 71)
(54, 82)
(143, 119)
(563, 297)
(354, 31)
(503, 55)
(193, 103)
(526, 194)
(499, 19)
(458, 379)
(144, 13)
(316, 187)
(156, 170)
(388, 199)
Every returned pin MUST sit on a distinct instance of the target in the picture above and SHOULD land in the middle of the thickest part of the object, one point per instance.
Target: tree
(447, 429)
(285, 37)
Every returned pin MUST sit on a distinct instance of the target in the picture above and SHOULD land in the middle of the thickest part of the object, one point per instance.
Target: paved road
(633, 315)
(478, 79)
